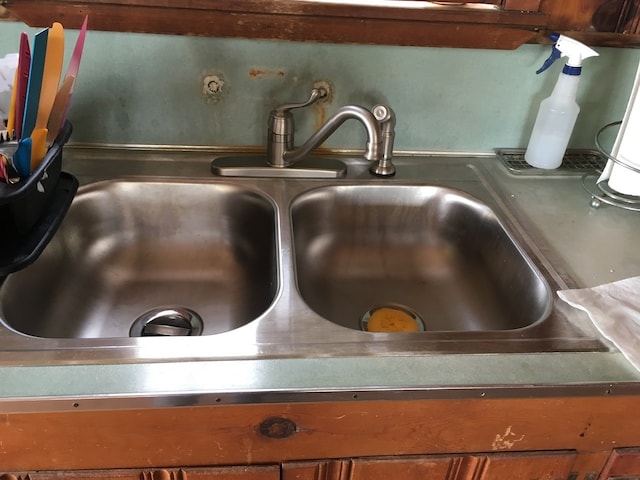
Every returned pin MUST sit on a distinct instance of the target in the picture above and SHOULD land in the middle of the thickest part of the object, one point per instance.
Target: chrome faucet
(285, 160)
(378, 122)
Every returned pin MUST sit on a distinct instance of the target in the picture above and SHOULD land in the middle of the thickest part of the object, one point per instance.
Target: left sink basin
(127, 248)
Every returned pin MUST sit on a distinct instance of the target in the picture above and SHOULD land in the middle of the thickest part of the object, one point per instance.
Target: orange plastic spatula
(50, 81)
(11, 122)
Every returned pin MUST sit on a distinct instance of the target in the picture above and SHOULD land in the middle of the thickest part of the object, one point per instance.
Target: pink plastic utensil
(72, 74)
(22, 79)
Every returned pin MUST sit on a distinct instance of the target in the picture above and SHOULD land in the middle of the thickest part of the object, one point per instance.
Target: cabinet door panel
(509, 466)
(382, 468)
(417, 468)
(529, 466)
(623, 464)
(216, 473)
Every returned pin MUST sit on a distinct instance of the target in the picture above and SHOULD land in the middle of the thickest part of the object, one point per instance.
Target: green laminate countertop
(587, 246)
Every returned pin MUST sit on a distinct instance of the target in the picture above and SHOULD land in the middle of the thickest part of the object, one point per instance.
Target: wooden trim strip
(354, 13)
(420, 29)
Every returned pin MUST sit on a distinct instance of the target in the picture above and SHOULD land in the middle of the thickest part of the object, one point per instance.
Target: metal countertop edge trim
(258, 149)
(136, 401)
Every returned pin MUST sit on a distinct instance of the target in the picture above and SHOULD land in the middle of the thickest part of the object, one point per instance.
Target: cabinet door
(615, 16)
(217, 473)
(528, 466)
(512, 466)
(623, 464)
(383, 468)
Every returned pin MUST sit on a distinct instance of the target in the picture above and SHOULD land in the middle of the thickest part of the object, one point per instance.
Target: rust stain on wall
(260, 73)
(319, 115)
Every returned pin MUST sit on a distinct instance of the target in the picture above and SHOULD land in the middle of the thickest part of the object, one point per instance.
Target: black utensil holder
(31, 210)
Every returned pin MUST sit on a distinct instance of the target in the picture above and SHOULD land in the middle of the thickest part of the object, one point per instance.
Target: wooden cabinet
(500, 24)
(623, 464)
(614, 23)
(216, 473)
(503, 24)
(521, 466)
(609, 16)
(547, 438)
(524, 466)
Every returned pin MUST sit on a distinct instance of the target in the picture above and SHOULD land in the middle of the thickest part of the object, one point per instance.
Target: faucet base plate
(257, 166)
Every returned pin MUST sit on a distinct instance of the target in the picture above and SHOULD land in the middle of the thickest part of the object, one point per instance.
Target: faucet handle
(316, 94)
(281, 128)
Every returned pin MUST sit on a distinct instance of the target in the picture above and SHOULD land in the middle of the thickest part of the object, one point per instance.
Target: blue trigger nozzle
(555, 55)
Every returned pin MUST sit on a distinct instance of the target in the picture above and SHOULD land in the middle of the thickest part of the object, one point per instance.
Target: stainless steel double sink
(287, 267)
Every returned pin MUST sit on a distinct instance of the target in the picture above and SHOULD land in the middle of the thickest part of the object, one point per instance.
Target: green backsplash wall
(147, 89)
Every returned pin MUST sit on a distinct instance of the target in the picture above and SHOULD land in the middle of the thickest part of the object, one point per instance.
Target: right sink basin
(435, 253)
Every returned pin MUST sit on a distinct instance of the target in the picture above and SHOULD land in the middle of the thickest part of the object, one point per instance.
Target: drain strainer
(167, 322)
(391, 318)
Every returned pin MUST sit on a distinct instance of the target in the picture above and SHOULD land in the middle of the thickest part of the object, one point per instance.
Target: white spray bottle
(558, 112)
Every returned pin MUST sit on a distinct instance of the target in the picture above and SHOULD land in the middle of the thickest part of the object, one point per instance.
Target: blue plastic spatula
(22, 158)
(32, 100)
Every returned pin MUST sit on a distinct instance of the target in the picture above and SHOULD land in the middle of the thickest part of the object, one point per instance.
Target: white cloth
(614, 309)
(8, 65)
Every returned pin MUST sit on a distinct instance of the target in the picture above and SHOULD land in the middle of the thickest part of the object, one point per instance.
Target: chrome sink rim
(284, 341)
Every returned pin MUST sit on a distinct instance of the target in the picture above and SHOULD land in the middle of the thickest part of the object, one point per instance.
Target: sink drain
(167, 322)
(391, 318)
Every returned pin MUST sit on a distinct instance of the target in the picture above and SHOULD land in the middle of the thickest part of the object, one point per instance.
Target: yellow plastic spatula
(11, 122)
(50, 81)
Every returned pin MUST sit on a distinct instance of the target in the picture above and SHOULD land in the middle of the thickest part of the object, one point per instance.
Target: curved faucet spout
(379, 124)
(373, 148)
